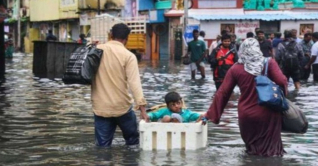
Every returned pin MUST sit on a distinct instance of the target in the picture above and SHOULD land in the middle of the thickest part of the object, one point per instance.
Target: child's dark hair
(225, 36)
(172, 97)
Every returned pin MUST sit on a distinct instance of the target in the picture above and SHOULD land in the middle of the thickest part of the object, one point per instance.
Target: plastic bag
(294, 120)
(83, 65)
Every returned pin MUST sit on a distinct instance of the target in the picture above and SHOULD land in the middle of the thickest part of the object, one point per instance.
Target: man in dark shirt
(265, 45)
(50, 36)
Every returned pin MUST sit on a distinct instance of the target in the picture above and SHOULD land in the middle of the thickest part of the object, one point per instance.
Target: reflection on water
(44, 122)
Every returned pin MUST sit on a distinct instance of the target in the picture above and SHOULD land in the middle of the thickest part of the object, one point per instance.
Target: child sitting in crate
(174, 111)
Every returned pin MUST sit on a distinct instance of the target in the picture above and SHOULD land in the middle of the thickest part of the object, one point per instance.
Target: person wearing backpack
(289, 55)
(221, 59)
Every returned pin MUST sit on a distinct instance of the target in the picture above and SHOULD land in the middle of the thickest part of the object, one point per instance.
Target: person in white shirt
(314, 60)
(214, 44)
(201, 37)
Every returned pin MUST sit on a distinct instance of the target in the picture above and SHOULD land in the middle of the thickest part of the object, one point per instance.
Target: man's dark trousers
(105, 129)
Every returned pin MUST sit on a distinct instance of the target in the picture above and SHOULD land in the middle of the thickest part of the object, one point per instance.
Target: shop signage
(242, 28)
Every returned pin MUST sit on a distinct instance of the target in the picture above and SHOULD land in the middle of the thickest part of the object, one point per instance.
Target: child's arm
(194, 116)
(154, 116)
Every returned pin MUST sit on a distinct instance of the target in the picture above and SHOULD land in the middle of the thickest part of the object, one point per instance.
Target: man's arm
(133, 79)
(300, 52)
(278, 56)
(314, 53)
(311, 61)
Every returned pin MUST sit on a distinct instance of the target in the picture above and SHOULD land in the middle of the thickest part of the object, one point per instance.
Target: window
(217, 3)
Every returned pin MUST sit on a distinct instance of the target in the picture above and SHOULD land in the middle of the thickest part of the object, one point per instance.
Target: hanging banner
(188, 36)
(84, 19)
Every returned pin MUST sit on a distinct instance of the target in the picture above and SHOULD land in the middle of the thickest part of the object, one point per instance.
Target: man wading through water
(289, 55)
(112, 104)
(197, 51)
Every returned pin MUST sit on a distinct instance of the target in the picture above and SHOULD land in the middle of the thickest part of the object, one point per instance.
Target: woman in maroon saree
(260, 127)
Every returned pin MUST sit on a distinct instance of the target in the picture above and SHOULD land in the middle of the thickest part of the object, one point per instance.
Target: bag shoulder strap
(226, 55)
(266, 65)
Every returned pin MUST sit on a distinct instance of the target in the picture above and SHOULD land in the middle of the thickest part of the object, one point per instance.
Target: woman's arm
(221, 97)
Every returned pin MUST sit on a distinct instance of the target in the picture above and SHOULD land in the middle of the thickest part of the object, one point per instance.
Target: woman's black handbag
(294, 120)
(83, 65)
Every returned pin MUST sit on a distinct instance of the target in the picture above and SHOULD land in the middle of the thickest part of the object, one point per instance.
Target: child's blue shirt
(186, 114)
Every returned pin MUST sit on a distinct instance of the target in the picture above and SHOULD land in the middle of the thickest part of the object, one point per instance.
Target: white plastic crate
(164, 136)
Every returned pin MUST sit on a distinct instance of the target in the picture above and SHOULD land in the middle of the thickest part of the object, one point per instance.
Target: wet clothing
(117, 74)
(260, 127)
(221, 60)
(290, 65)
(266, 48)
(186, 114)
(197, 49)
(105, 129)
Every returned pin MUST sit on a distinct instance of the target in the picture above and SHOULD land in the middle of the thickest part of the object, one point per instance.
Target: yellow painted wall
(44, 10)
(68, 9)
(33, 34)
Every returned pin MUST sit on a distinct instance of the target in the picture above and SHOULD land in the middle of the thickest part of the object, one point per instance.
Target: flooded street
(44, 122)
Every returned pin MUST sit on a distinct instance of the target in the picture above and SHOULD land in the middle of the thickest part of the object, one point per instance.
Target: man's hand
(143, 113)
(306, 67)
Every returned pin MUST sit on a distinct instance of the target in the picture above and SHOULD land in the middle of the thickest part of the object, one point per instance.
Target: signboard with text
(242, 28)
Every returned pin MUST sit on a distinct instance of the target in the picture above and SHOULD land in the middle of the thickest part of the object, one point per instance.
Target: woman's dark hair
(172, 97)
(278, 35)
(225, 36)
(120, 31)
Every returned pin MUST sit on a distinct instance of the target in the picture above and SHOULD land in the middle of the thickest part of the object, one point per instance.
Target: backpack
(290, 60)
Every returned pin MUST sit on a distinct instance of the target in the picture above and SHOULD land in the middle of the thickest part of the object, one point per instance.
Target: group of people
(118, 73)
(51, 37)
(295, 56)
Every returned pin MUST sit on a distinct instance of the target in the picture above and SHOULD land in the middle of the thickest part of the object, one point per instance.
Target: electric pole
(185, 15)
(98, 7)
(19, 25)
